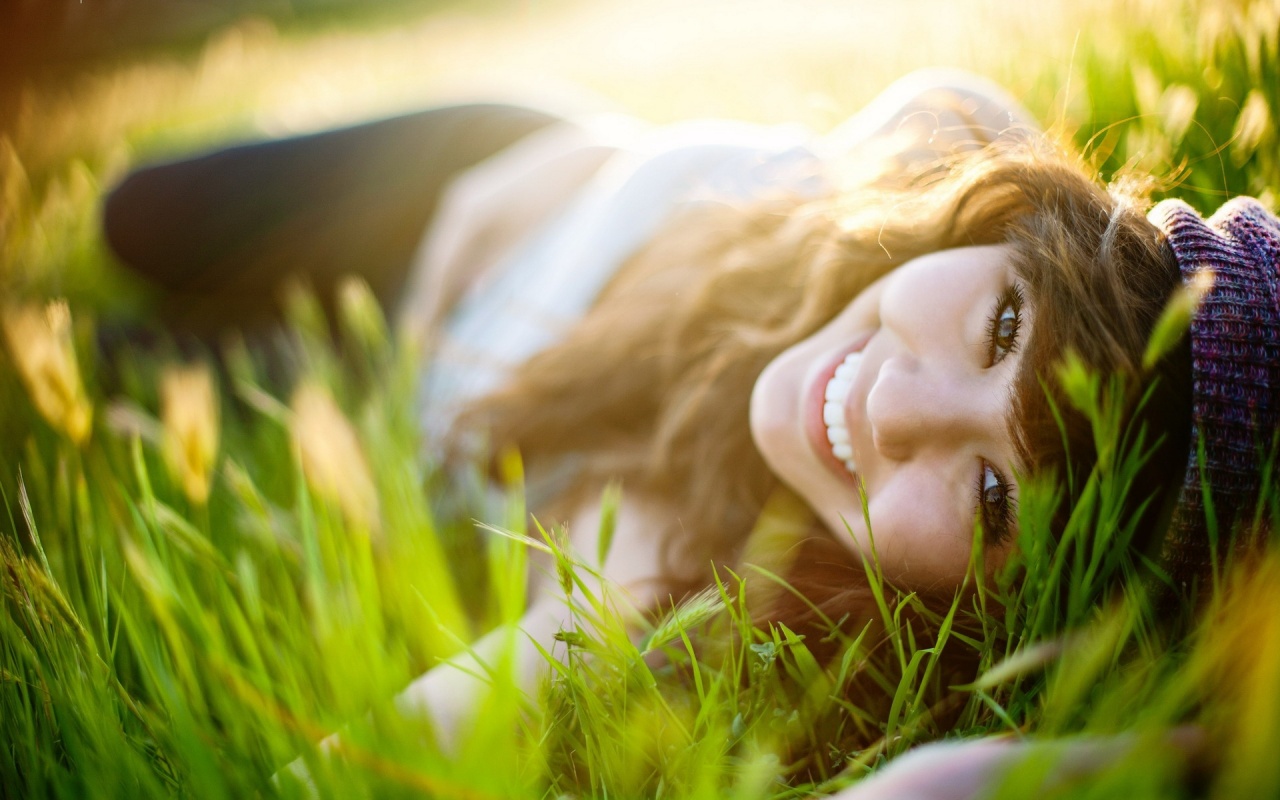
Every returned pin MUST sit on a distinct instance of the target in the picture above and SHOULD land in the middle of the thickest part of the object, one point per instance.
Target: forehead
(986, 258)
(955, 282)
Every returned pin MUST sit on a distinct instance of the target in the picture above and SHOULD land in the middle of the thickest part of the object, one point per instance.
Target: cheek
(773, 402)
(920, 540)
(859, 316)
(776, 400)
(776, 396)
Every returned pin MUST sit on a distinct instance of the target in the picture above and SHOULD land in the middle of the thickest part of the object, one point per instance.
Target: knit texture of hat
(1235, 371)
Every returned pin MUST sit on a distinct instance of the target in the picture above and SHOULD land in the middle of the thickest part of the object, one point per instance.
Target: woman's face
(908, 391)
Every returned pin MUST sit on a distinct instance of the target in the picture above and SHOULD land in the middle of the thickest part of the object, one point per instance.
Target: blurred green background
(155, 645)
(48, 31)
(1180, 92)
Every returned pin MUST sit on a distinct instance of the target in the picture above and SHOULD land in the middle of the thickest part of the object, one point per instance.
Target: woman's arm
(490, 208)
(449, 694)
(634, 582)
(974, 768)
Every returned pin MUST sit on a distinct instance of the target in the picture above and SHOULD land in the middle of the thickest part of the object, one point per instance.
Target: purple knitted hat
(1235, 370)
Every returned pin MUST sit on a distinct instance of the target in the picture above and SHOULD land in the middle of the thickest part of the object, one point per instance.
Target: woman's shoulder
(561, 209)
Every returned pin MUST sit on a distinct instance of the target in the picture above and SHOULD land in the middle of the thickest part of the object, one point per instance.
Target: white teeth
(837, 393)
(838, 389)
(833, 414)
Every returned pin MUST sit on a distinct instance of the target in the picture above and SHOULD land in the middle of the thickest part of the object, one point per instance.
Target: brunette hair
(652, 386)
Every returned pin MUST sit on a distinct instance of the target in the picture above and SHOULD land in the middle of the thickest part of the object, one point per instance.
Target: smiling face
(907, 391)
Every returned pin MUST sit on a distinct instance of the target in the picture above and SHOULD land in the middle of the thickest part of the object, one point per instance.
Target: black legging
(219, 232)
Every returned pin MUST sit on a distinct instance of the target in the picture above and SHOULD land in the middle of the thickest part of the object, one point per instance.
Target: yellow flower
(332, 460)
(40, 342)
(189, 411)
(361, 314)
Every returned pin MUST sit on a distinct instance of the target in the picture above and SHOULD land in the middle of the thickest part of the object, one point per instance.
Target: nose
(913, 404)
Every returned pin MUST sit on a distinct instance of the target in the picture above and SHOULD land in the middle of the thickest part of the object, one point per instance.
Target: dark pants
(218, 233)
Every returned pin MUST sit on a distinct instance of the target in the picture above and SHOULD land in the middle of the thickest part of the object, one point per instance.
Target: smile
(834, 399)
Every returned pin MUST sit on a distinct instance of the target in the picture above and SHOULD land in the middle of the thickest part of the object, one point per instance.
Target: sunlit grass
(192, 599)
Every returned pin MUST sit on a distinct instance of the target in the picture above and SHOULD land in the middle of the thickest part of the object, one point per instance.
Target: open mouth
(827, 421)
(834, 398)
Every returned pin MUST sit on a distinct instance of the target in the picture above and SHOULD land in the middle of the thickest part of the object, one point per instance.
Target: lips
(826, 422)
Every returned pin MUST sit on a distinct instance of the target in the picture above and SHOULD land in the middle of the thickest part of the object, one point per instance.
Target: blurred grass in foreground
(192, 600)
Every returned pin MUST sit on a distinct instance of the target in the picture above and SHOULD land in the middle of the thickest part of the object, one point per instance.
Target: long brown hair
(652, 386)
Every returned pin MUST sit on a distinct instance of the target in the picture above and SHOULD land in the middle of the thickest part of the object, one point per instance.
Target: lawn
(195, 594)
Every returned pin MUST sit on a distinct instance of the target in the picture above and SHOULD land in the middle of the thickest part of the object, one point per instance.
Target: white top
(543, 284)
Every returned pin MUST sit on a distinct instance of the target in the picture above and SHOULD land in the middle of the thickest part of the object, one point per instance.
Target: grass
(193, 599)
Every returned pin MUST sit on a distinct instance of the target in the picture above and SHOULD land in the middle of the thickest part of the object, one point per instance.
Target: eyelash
(1010, 299)
(998, 515)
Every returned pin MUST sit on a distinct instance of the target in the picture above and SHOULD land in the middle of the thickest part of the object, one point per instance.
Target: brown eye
(1007, 329)
(1003, 325)
(994, 492)
(996, 507)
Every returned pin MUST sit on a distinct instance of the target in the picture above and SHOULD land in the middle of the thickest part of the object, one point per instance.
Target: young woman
(716, 313)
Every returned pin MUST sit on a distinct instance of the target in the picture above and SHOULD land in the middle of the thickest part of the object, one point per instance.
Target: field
(194, 594)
